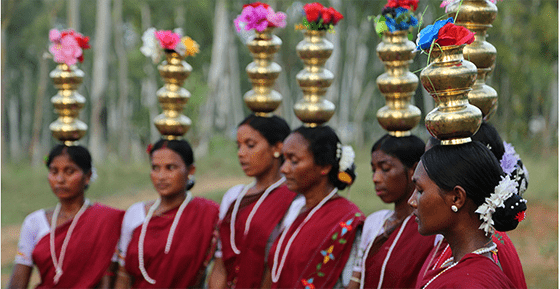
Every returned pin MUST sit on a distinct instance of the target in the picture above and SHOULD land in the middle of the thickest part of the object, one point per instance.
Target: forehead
(379, 156)
(62, 160)
(296, 144)
(420, 175)
(165, 155)
(246, 132)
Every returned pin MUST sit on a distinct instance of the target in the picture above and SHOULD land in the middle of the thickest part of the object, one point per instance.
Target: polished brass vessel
(449, 78)
(172, 97)
(314, 79)
(397, 84)
(477, 16)
(67, 104)
(263, 72)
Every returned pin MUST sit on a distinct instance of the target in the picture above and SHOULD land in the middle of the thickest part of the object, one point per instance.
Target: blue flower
(403, 20)
(430, 33)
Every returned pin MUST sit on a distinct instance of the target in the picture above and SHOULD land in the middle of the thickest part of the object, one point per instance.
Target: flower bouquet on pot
(443, 33)
(319, 17)
(397, 15)
(260, 19)
(67, 48)
(172, 97)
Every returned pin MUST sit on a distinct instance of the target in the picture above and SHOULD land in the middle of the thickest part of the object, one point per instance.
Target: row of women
(290, 227)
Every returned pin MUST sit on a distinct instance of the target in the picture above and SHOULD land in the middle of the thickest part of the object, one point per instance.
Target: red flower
(408, 4)
(336, 16)
(83, 41)
(149, 148)
(520, 216)
(327, 15)
(256, 4)
(451, 34)
(313, 11)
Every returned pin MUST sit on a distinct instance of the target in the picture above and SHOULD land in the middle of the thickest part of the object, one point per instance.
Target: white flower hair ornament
(345, 155)
(504, 190)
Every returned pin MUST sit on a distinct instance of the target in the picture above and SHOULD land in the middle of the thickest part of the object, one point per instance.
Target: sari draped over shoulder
(319, 252)
(89, 252)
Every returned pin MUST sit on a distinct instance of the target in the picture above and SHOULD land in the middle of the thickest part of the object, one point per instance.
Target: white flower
(93, 175)
(346, 158)
(181, 48)
(150, 46)
(502, 192)
(178, 31)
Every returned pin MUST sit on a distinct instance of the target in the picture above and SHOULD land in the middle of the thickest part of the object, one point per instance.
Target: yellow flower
(191, 45)
(299, 27)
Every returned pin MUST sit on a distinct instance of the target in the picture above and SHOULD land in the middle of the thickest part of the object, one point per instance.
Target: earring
(276, 155)
(454, 208)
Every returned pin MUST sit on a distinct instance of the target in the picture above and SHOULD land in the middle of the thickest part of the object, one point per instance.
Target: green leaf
(380, 25)
(321, 274)
(410, 36)
(342, 241)
(319, 266)
(335, 235)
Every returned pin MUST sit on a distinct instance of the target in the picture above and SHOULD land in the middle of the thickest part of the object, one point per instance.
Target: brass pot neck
(443, 54)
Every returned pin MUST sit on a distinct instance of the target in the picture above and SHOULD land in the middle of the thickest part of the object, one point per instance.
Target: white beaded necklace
(151, 211)
(58, 265)
(277, 270)
(251, 214)
(478, 251)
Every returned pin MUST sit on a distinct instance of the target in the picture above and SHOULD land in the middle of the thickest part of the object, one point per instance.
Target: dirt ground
(536, 239)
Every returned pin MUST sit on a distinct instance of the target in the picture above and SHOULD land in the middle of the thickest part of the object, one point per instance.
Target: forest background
(120, 87)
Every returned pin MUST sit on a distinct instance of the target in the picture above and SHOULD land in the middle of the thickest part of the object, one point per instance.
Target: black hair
(274, 129)
(78, 154)
(182, 148)
(407, 150)
(488, 135)
(473, 167)
(323, 146)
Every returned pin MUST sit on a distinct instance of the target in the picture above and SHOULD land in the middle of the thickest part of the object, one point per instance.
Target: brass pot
(449, 78)
(67, 104)
(397, 84)
(172, 97)
(314, 79)
(477, 16)
(263, 72)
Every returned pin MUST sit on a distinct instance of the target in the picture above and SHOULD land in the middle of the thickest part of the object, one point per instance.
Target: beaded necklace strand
(151, 211)
(251, 214)
(478, 251)
(58, 265)
(277, 270)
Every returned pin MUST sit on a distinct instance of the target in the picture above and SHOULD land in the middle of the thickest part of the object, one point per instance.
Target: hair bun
(507, 218)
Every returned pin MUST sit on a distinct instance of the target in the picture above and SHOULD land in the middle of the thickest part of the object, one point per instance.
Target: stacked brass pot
(477, 16)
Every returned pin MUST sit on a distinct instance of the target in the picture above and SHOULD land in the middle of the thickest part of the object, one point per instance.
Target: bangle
(355, 279)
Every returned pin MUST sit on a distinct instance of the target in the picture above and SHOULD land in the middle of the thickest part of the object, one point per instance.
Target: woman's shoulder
(228, 198)
(107, 210)
(206, 204)
(344, 205)
(476, 269)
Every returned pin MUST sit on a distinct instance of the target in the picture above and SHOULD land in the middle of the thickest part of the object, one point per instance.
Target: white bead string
(277, 270)
(366, 253)
(58, 265)
(260, 201)
(151, 211)
(234, 215)
(478, 251)
(391, 250)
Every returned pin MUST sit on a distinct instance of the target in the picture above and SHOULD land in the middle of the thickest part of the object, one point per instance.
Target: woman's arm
(354, 280)
(267, 279)
(20, 276)
(124, 281)
(108, 279)
(218, 277)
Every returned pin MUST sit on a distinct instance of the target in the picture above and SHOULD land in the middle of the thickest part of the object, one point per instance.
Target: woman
(315, 248)
(507, 254)
(463, 194)
(250, 213)
(392, 252)
(168, 243)
(73, 243)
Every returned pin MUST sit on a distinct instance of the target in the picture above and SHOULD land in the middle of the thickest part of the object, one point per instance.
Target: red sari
(405, 261)
(246, 270)
(321, 249)
(191, 250)
(507, 257)
(472, 271)
(89, 250)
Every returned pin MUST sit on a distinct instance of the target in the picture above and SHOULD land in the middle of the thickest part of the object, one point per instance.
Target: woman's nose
(412, 200)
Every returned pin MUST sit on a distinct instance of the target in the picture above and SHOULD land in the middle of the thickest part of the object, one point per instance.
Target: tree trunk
(74, 14)
(26, 107)
(149, 83)
(13, 128)
(99, 78)
(216, 71)
(235, 91)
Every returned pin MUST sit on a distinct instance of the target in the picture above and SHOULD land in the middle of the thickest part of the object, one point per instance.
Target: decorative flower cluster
(155, 41)
(505, 189)
(319, 17)
(443, 33)
(345, 155)
(511, 165)
(67, 46)
(446, 3)
(396, 15)
(259, 16)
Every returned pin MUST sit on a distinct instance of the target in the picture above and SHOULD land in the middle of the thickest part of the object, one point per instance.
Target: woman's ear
(325, 170)
(410, 171)
(277, 148)
(457, 197)
(191, 170)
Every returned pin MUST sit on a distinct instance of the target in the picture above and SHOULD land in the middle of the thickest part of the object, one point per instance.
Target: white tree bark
(99, 78)
(43, 77)
(74, 14)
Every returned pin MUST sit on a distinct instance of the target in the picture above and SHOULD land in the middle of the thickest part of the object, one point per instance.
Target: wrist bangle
(355, 279)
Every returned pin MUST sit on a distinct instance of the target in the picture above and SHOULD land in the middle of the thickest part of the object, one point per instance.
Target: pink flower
(66, 51)
(168, 39)
(276, 19)
(54, 35)
(254, 17)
